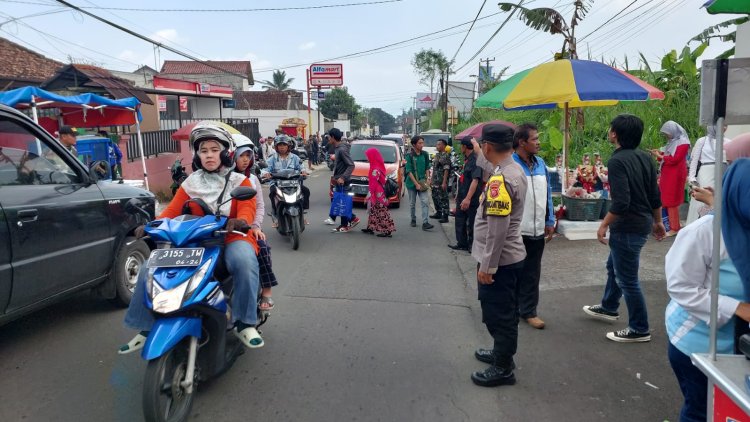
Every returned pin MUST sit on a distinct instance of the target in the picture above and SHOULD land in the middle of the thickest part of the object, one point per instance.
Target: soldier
(499, 251)
(441, 167)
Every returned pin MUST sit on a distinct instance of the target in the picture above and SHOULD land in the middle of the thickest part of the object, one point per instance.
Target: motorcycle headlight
(166, 301)
(196, 279)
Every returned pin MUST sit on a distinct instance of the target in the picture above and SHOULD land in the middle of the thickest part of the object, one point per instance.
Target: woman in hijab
(688, 267)
(379, 219)
(673, 172)
(701, 172)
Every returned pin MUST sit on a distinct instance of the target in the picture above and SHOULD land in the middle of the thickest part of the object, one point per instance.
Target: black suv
(61, 229)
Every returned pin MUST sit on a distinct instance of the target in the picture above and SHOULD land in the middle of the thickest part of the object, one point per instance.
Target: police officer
(441, 167)
(499, 250)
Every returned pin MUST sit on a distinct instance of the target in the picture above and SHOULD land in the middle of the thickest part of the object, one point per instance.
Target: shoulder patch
(498, 201)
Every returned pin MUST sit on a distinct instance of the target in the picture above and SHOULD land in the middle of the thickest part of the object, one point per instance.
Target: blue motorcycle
(188, 290)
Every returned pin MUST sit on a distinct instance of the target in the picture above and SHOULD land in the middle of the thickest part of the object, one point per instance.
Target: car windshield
(358, 152)
(430, 139)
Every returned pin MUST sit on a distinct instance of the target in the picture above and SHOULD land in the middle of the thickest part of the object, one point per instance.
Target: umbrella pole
(140, 147)
(35, 115)
(566, 138)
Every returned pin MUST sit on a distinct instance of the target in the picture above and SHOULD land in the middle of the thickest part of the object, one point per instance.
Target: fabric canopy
(727, 6)
(84, 110)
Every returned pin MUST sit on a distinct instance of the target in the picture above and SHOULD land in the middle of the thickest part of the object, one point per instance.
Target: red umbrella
(476, 130)
(183, 133)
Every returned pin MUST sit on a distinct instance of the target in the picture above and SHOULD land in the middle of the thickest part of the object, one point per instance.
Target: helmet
(448, 149)
(243, 143)
(281, 139)
(215, 133)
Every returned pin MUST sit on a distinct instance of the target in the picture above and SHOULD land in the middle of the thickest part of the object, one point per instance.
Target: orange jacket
(240, 209)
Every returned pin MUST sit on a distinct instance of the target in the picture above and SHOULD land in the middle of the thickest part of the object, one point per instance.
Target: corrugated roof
(197, 68)
(268, 100)
(92, 77)
(22, 64)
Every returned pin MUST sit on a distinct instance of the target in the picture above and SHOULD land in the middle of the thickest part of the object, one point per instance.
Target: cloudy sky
(292, 39)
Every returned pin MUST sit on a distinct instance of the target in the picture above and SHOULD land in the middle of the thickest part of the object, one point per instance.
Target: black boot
(437, 215)
(499, 373)
(444, 217)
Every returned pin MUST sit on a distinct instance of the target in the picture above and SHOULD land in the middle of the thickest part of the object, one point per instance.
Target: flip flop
(250, 337)
(265, 300)
(135, 344)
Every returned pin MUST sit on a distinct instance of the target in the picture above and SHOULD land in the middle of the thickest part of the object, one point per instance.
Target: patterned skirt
(379, 220)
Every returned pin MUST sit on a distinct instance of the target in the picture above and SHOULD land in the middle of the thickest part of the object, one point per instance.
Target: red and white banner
(326, 74)
(162, 100)
(183, 104)
(188, 87)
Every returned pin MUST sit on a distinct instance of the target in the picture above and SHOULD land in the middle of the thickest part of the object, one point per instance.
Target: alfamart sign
(326, 74)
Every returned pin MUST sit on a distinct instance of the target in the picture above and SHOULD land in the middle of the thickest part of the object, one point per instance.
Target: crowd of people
(504, 217)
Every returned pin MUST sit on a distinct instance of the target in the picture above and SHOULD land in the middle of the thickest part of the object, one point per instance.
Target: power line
(469, 31)
(265, 9)
(154, 42)
(613, 18)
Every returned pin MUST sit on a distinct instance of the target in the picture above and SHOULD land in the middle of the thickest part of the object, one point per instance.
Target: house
(21, 67)
(83, 78)
(272, 107)
(237, 74)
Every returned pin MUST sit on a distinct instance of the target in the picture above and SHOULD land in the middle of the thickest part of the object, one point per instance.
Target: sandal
(384, 235)
(250, 337)
(265, 300)
(368, 231)
(136, 343)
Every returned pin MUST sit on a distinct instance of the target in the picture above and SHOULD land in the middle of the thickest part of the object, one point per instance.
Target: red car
(394, 167)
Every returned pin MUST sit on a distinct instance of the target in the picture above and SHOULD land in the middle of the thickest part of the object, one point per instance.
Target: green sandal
(135, 344)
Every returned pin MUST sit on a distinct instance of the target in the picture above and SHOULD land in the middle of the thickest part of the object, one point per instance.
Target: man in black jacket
(635, 211)
(342, 173)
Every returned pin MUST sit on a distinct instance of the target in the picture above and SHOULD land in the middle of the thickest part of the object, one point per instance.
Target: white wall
(269, 120)
(206, 107)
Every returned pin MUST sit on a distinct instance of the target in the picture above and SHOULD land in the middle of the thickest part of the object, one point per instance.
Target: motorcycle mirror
(243, 193)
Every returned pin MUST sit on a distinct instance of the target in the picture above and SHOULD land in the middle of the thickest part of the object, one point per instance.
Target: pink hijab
(376, 177)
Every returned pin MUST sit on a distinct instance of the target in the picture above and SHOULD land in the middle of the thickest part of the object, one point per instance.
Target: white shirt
(688, 267)
(704, 151)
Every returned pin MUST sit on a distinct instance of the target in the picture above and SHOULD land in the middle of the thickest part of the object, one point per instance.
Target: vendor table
(727, 386)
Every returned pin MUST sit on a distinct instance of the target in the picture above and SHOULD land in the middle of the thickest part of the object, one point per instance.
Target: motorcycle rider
(284, 160)
(244, 159)
(212, 182)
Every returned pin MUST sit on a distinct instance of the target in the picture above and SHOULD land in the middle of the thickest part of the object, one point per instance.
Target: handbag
(390, 187)
(422, 182)
(341, 203)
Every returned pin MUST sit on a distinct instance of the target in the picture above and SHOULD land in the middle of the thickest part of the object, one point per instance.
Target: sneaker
(414, 223)
(354, 222)
(597, 311)
(627, 335)
(342, 229)
(427, 226)
(329, 221)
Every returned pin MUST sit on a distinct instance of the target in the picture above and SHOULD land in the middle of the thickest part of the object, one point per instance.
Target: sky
(293, 39)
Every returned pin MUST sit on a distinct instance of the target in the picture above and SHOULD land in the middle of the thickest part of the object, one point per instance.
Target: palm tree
(715, 31)
(279, 81)
(552, 21)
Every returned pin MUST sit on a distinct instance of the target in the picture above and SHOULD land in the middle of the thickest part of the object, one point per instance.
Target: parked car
(62, 229)
(394, 166)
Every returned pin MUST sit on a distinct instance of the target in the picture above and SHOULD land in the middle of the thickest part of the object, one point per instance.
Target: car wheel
(132, 255)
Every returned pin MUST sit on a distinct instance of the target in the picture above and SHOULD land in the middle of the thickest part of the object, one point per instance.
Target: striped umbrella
(568, 83)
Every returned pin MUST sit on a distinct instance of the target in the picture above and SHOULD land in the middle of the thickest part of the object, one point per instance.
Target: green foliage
(339, 101)
(382, 119)
(429, 65)
(278, 82)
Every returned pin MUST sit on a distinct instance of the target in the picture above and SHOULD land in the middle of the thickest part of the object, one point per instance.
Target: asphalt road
(365, 329)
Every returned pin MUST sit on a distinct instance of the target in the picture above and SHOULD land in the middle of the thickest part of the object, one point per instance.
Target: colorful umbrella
(568, 83)
(183, 133)
(727, 6)
(476, 130)
(577, 83)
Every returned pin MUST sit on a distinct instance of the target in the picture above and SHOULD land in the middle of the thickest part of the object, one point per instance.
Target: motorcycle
(178, 175)
(289, 216)
(188, 290)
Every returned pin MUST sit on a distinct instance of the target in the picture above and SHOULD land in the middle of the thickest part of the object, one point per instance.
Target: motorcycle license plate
(360, 190)
(178, 257)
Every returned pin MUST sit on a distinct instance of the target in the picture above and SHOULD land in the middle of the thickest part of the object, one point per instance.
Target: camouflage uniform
(440, 163)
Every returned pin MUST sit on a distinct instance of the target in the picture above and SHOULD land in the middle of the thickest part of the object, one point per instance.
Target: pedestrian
(342, 173)
(115, 156)
(538, 223)
(315, 150)
(673, 172)
(467, 199)
(244, 158)
(635, 211)
(68, 138)
(701, 172)
(379, 218)
(498, 249)
(441, 167)
(417, 166)
(267, 148)
(688, 267)
(309, 151)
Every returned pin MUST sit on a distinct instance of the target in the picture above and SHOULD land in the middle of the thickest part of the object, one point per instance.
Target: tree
(430, 65)
(493, 81)
(385, 122)
(339, 101)
(279, 81)
(715, 32)
(550, 20)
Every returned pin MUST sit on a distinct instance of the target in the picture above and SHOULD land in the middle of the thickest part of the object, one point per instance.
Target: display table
(727, 387)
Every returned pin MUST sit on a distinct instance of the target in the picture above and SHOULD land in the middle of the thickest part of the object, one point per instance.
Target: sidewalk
(570, 371)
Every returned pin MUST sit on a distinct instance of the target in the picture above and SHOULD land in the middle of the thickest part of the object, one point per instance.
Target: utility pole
(445, 100)
(414, 120)
(486, 74)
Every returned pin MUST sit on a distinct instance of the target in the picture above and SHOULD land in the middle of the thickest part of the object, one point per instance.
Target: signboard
(204, 88)
(326, 74)
(227, 103)
(738, 90)
(183, 104)
(321, 95)
(162, 101)
(426, 101)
